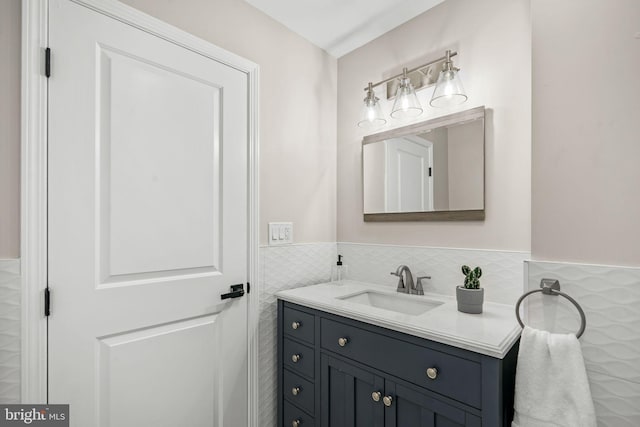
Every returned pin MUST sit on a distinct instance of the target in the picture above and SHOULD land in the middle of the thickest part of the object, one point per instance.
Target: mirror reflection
(435, 166)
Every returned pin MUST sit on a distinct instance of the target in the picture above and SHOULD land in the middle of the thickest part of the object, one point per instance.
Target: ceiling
(340, 26)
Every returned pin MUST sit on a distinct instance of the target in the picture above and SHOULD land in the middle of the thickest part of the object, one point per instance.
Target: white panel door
(147, 228)
(408, 182)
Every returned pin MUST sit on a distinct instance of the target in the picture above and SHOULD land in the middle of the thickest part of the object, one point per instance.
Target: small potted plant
(470, 296)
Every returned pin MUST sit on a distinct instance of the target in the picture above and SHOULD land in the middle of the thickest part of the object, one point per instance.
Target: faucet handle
(419, 289)
(394, 273)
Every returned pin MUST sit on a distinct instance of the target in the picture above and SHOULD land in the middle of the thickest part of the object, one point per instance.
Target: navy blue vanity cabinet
(347, 395)
(411, 406)
(339, 372)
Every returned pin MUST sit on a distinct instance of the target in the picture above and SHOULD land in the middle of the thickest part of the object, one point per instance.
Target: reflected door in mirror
(408, 177)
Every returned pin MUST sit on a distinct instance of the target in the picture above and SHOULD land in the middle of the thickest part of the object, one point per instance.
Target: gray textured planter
(470, 300)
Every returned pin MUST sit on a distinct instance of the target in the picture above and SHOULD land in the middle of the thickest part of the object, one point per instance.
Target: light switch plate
(280, 233)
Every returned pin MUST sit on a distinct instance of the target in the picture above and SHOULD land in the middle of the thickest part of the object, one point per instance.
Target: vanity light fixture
(371, 116)
(448, 92)
(406, 105)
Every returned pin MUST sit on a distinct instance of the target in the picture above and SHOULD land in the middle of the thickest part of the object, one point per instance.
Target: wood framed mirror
(428, 171)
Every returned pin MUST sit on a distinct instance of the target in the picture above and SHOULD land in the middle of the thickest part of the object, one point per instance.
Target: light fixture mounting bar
(412, 70)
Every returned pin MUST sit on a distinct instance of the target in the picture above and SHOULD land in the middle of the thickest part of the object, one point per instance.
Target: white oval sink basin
(406, 304)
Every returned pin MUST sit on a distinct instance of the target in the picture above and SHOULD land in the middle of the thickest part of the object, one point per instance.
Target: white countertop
(492, 333)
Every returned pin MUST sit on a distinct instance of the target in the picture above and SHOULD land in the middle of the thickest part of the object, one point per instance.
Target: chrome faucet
(407, 286)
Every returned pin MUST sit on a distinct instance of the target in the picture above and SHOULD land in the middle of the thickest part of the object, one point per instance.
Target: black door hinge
(429, 171)
(47, 301)
(47, 62)
(248, 287)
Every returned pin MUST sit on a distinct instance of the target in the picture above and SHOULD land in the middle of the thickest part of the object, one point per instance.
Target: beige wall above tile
(586, 131)
(10, 128)
(494, 45)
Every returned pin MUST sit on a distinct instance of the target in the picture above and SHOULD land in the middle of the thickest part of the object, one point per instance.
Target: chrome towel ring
(552, 287)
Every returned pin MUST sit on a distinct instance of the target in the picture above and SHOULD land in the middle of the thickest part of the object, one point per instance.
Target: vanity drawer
(294, 417)
(298, 357)
(299, 325)
(298, 390)
(457, 378)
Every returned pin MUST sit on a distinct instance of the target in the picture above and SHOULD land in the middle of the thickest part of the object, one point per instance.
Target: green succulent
(472, 277)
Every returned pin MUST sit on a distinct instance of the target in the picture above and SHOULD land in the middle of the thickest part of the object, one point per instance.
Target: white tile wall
(610, 297)
(502, 276)
(616, 400)
(10, 331)
(284, 267)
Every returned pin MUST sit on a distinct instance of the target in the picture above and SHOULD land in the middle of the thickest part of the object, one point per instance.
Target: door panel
(192, 342)
(346, 395)
(147, 227)
(159, 167)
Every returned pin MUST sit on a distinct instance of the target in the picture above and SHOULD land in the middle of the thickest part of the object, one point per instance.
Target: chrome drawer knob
(387, 400)
(296, 423)
(432, 373)
(342, 341)
(376, 395)
(295, 358)
(296, 325)
(296, 391)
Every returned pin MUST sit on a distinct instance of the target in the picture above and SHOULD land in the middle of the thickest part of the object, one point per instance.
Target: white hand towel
(551, 382)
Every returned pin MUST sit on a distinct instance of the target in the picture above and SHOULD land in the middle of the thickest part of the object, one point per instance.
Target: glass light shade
(449, 90)
(371, 116)
(406, 104)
